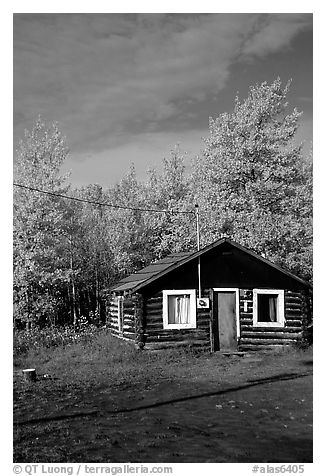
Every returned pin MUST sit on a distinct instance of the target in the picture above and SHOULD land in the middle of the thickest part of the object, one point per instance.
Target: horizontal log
(293, 293)
(113, 316)
(130, 335)
(177, 339)
(293, 300)
(154, 314)
(153, 330)
(162, 337)
(154, 299)
(173, 345)
(245, 340)
(246, 321)
(203, 325)
(128, 326)
(296, 320)
(268, 329)
(128, 310)
(153, 305)
(127, 332)
(255, 347)
(151, 320)
(154, 317)
(159, 338)
(115, 325)
(125, 338)
(293, 323)
(112, 309)
(292, 306)
(203, 313)
(269, 335)
(128, 316)
(203, 319)
(185, 332)
(292, 313)
(126, 305)
(129, 319)
(245, 315)
(154, 322)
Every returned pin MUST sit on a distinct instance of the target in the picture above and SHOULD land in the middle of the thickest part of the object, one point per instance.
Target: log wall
(159, 338)
(128, 329)
(256, 338)
(143, 323)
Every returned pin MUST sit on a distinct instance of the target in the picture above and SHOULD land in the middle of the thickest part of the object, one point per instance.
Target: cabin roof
(156, 270)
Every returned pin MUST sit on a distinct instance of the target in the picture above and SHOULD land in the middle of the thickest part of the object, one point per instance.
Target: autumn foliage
(252, 182)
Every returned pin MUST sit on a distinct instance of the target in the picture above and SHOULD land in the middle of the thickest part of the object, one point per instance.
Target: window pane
(267, 307)
(179, 309)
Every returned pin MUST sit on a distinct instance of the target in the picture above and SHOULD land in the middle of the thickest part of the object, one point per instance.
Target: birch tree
(39, 268)
(252, 180)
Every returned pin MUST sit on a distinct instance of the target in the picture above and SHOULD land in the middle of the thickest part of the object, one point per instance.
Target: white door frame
(237, 306)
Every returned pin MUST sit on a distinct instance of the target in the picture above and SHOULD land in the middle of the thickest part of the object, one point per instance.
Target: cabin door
(225, 320)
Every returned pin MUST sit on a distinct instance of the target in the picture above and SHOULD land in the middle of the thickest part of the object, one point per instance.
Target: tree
(253, 181)
(91, 253)
(39, 268)
(170, 190)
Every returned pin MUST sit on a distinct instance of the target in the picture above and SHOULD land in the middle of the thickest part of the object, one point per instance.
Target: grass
(106, 401)
(91, 357)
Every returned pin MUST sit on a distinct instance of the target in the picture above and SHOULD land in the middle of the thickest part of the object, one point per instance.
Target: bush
(36, 339)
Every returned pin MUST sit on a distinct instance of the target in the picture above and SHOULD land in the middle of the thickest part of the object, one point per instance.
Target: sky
(125, 88)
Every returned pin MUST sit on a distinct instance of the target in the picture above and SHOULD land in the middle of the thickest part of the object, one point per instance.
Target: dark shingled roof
(154, 269)
(147, 275)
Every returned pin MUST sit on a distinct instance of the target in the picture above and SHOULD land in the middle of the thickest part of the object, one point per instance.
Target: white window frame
(237, 305)
(280, 308)
(120, 314)
(193, 312)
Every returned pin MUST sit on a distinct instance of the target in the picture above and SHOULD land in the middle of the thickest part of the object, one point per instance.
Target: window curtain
(179, 309)
(273, 308)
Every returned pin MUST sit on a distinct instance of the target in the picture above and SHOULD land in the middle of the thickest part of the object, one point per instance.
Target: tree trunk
(97, 293)
(73, 290)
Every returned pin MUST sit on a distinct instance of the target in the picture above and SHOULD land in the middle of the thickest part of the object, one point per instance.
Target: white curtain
(273, 309)
(178, 311)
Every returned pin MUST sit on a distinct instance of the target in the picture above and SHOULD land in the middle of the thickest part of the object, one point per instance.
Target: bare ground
(209, 408)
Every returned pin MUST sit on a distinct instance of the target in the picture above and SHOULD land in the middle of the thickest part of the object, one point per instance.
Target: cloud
(147, 150)
(108, 77)
(274, 32)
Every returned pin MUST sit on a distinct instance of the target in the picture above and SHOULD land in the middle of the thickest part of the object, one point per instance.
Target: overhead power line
(110, 205)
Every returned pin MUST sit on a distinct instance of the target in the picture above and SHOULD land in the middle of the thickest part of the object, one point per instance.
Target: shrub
(36, 339)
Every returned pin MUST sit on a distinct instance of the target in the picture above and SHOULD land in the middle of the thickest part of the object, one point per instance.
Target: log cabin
(241, 302)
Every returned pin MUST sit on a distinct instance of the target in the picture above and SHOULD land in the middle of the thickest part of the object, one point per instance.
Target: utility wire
(101, 203)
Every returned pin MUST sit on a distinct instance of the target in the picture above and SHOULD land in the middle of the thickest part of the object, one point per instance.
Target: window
(120, 314)
(268, 308)
(179, 309)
